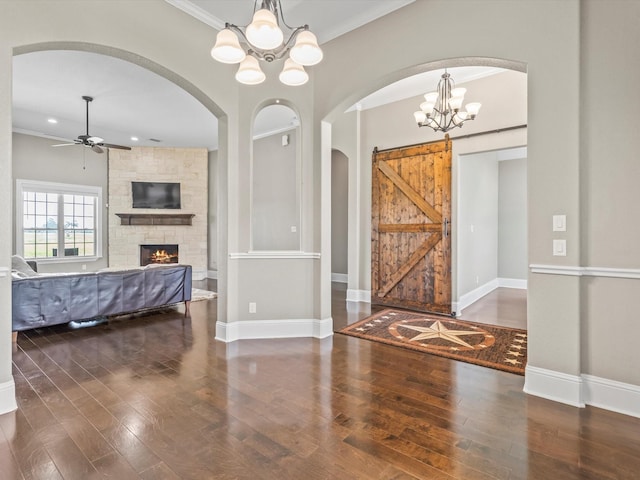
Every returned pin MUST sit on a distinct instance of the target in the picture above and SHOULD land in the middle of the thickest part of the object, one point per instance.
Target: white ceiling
(327, 19)
(132, 101)
(128, 101)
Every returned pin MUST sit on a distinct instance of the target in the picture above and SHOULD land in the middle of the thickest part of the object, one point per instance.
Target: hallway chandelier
(263, 39)
(441, 110)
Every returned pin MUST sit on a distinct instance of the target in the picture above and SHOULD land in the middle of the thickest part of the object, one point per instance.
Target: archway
(7, 403)
(359, 280)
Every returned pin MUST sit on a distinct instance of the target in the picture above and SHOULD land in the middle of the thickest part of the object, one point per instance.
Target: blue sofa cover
(44, 300)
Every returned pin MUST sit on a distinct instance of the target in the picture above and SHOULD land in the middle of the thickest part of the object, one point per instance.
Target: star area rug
(491, 346)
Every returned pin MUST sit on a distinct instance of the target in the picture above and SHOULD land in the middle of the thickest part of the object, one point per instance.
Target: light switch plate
(559, 248)
(559, 223)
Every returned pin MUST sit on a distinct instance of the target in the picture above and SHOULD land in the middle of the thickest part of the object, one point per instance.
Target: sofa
(41, 300)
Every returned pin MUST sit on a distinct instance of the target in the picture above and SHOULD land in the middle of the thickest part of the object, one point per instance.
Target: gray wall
(35, 159)
(275, 206)
(339, 211)
(610, 195)
(512, 219)
(477, 221)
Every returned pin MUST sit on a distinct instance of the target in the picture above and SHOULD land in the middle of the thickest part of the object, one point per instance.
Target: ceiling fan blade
(64, 144)
(110, 145)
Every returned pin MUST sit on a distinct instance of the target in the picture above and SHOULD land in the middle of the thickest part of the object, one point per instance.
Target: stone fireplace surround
(151, 164)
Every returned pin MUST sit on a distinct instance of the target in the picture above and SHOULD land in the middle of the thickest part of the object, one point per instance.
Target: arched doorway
(384, 127)
(129, 105)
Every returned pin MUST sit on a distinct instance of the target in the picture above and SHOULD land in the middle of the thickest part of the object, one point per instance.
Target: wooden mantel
(155, 218)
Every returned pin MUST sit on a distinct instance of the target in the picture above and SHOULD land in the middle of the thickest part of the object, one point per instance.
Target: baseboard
(512, 283)
(263, 329)
(552, 385)
(474, 295)
(359, 296)
(212, 274)
(339, 277)
(611, 395)
(582, 390)
(199, 274)
(8, 396)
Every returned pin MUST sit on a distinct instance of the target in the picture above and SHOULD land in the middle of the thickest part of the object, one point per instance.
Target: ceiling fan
(95, 143)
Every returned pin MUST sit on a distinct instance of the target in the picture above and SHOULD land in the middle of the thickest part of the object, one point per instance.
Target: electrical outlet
(252, 307)
(294, 229)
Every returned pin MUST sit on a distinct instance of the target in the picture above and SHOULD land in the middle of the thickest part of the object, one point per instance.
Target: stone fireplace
(130, 228)
(158, 253)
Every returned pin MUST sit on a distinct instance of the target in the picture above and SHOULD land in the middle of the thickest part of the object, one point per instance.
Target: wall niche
(275, 212)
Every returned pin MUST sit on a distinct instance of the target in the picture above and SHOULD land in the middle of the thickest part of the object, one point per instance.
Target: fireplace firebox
(161, 253)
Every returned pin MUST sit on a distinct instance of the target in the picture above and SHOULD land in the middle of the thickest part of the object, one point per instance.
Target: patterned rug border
(519, 370)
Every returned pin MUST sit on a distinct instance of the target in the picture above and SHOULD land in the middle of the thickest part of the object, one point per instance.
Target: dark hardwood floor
(156, 397)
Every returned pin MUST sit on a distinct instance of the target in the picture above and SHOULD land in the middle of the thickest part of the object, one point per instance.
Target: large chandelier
(441, 110)
(264, 40)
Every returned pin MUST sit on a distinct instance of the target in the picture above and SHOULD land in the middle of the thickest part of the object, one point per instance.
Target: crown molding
(198, 13)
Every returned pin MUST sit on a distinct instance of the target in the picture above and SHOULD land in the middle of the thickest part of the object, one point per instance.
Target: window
(57, 221)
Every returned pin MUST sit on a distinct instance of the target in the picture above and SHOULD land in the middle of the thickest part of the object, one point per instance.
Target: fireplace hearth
(159, 253)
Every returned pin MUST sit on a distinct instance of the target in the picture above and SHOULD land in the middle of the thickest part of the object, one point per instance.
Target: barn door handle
(446, 227)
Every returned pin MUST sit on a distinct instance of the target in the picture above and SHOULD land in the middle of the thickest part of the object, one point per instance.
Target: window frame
(23, 185)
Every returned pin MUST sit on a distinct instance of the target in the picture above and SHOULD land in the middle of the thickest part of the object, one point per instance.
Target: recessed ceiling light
(52, 120)
(134, 139)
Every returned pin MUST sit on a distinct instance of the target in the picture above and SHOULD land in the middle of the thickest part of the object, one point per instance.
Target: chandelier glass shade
(250, 72)
(264, 39)
(441, 109)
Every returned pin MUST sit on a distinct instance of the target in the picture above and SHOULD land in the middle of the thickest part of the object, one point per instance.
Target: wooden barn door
(411, 227)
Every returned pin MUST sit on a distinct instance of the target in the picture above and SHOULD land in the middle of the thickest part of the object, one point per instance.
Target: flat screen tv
(155, 195)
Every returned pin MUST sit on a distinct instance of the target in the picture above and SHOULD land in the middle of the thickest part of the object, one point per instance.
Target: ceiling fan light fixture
(95, 143)
(227, 48)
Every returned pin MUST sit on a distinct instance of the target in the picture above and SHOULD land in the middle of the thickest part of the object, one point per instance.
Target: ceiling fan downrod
(87, 99)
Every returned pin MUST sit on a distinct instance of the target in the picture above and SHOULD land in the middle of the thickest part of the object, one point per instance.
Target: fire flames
(161, 256)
